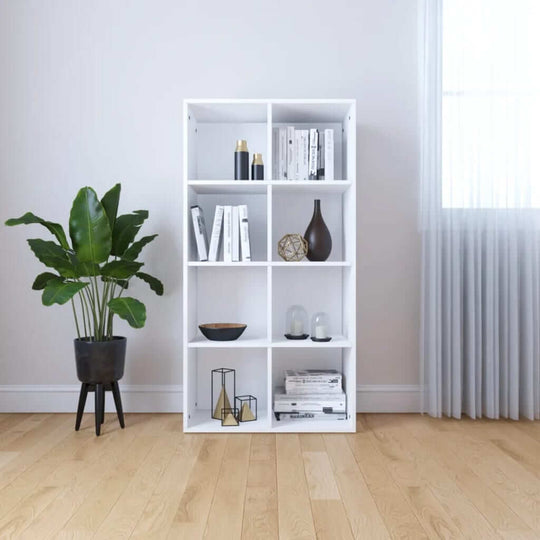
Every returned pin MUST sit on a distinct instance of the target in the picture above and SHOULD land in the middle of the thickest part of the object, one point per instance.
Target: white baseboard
(389, 398)
(64, 398)
(168, 398)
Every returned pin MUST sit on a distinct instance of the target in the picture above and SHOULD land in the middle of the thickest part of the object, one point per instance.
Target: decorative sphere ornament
(292, 247)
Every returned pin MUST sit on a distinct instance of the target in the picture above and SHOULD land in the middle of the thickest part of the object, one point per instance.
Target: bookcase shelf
(259, 292)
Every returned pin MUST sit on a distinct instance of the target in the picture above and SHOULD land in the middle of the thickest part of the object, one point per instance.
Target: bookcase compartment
(337, 116)
(318, 289)
(257, 208)
(228, 295)
(312, 358)
(214, 128)
(248, 364)
(292, 212)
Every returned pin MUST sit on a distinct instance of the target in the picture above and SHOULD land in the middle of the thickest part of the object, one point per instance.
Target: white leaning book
(329, 154)
(235, 235)
(216, 234)
(227, 234)
(199, 228)
(244, 233)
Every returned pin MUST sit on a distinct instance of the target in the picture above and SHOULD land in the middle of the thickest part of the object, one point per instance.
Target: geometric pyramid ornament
(247, 405)
(229, 417)
(222, 403)
(246, 414)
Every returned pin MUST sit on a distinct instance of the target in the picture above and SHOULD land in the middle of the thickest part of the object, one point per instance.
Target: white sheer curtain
(480, 206)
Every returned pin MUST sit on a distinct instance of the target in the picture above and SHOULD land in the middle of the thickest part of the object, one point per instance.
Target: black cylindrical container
(257, 167)
(241, 161)
(100, 361)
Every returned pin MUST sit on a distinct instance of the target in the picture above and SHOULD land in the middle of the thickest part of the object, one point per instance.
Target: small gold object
(241, 145)
(257, 159)
(292, 247)
(222, 403)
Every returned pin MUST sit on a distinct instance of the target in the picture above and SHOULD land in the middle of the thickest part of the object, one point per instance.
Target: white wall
(90, 94)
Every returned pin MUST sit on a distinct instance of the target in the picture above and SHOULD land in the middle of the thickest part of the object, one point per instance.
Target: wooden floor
(400, 476)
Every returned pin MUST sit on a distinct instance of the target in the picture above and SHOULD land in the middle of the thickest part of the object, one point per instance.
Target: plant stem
(83, 315)
(75, 317)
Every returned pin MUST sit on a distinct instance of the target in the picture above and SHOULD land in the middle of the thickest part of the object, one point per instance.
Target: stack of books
(311, 393)
(233, 221)
(303, 154)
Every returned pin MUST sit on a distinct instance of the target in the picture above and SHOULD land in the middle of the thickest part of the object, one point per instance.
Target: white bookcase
(259, 292)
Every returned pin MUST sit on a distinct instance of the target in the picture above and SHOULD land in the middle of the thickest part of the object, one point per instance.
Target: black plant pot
(318, 236)
(100, 361)
(100, 365)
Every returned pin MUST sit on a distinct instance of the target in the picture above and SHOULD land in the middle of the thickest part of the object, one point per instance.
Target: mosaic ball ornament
(292, 247)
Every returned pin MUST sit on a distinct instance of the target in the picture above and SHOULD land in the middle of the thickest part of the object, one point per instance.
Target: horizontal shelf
(200, 342)
(218, 187)
(302, 264)
(312, 264)
(335, 186)
(201, 421)
(337, 342)
(313, 425)
(227, 264)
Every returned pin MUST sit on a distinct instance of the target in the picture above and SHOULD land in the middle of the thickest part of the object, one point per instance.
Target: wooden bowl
(222, 331)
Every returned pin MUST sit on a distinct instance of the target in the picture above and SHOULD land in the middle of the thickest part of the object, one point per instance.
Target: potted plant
(93, 274)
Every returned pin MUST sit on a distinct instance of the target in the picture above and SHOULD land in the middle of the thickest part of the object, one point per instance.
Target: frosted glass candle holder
(296, 323)
(320, 327)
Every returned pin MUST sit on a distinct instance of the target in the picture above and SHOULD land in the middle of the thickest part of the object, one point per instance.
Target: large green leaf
(53, 256)
(58, 292)
(125, 229)
(154, 283)
(89, 227)
(30, 218)
(110, 203)
(120, 269)
(42, 279)
(133, 251)
(129, 309)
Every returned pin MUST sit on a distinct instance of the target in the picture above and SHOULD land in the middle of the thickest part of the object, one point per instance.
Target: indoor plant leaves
(125, 229)
(129, 309)
(59, 292)
(89, 227)
(55, 228)
(154, 283)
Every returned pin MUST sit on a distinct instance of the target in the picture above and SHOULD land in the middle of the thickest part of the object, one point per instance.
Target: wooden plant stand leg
(82, 403)
(98, 407)
(118, 402)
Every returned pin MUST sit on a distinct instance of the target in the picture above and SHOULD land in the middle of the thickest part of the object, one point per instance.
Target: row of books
(233, 221)
(311, 394)
(303, 154)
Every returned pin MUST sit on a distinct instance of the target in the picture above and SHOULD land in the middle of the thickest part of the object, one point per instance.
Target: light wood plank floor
(400, 476)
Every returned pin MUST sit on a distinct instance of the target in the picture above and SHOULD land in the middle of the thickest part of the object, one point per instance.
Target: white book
(297, 153)
(282, 168)
(244, 232)
(199, 228)
(291, 154)
(275, 153)
(329, 154)
(311, 416)
(304, 155)
(227, 234)
(313, 153)
(216, 234)
(235, 235)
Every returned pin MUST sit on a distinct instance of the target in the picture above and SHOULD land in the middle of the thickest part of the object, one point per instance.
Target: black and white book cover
(199, 229)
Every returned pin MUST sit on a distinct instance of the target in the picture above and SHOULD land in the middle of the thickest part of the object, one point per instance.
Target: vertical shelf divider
(269, 242)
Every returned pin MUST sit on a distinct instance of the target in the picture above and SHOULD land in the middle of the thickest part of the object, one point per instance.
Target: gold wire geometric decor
(292, 247)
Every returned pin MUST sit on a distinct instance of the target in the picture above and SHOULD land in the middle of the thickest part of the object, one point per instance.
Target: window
(491, 104)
